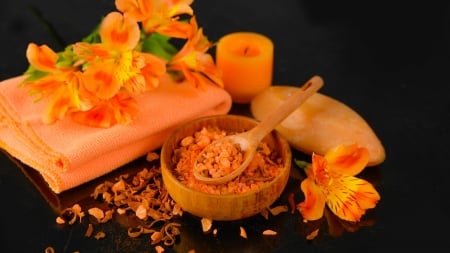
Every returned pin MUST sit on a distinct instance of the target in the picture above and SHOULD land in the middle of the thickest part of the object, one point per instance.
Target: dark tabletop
(389, 62)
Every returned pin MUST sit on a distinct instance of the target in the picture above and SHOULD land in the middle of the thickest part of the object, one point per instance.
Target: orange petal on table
(314, 204)
(347, 159)
(41, 57)
(349, 197)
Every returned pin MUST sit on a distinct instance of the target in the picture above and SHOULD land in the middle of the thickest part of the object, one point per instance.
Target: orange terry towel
(68, 154)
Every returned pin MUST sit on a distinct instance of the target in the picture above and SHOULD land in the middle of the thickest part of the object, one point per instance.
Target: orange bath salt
(264, 167)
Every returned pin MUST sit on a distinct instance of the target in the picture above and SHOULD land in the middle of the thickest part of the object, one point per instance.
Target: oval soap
(319, 124)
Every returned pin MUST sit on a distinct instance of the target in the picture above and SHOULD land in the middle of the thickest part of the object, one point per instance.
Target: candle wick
(246, 50)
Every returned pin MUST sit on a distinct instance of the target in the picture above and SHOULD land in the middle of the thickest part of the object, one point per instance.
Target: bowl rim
(286, 165)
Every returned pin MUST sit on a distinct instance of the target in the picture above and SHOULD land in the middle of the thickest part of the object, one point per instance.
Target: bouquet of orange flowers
(94, 81)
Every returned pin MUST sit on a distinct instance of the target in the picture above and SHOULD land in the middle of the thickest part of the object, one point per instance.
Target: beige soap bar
(319, 124)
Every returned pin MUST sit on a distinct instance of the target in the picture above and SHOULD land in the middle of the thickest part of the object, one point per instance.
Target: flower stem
(302, 164)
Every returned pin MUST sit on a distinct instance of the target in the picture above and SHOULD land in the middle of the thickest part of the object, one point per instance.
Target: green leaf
(66, 58)
(159, 45)
(302, 164)
(34, 74)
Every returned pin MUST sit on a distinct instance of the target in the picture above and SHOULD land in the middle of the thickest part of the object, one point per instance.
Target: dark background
(388, 61)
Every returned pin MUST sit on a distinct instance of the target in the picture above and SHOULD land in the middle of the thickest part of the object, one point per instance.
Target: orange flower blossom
(162, 16)
(60, 84)
(94, 81)
(330, 182)
(194, 61)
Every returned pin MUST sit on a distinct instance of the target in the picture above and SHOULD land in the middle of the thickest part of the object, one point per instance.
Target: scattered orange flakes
(70, 215)
(121, 211)
(206, 224)
(141, 212)
(108, 216)
(177, 210)
(89, 230)
(152, 156)
(97, 213)
(278, 209)
(100, 235)
(60, 220)
(312, 235)
(100, 215)
(49, 249)
(156, 237)
(159, 249)
(243, 233)
(143, 196)
(269, 232)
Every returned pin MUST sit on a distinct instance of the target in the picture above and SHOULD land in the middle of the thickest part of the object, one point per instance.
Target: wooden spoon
(249, 140)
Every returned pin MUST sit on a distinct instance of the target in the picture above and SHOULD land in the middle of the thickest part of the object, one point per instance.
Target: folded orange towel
(68, 154)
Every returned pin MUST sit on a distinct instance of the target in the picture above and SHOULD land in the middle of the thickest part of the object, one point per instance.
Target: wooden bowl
(223, 207)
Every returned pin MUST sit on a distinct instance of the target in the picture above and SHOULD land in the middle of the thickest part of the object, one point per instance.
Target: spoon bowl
(247, 142)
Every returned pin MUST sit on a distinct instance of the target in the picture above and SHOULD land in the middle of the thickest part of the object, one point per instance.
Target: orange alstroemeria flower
(101, 80)
(137, 9)
(330, 182)
(118, 34)
(160, 16)
(193, 60)
(112, 66)
(153, 69)
(115, 59)
(60, 84)
(63, 92)
(101, 71)
(121, 109)
(95, 80)
(63, 100)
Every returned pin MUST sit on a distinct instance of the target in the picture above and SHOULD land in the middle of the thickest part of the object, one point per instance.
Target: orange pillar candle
(246, 62)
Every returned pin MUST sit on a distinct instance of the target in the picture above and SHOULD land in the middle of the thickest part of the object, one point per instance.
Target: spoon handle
(286, 108)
